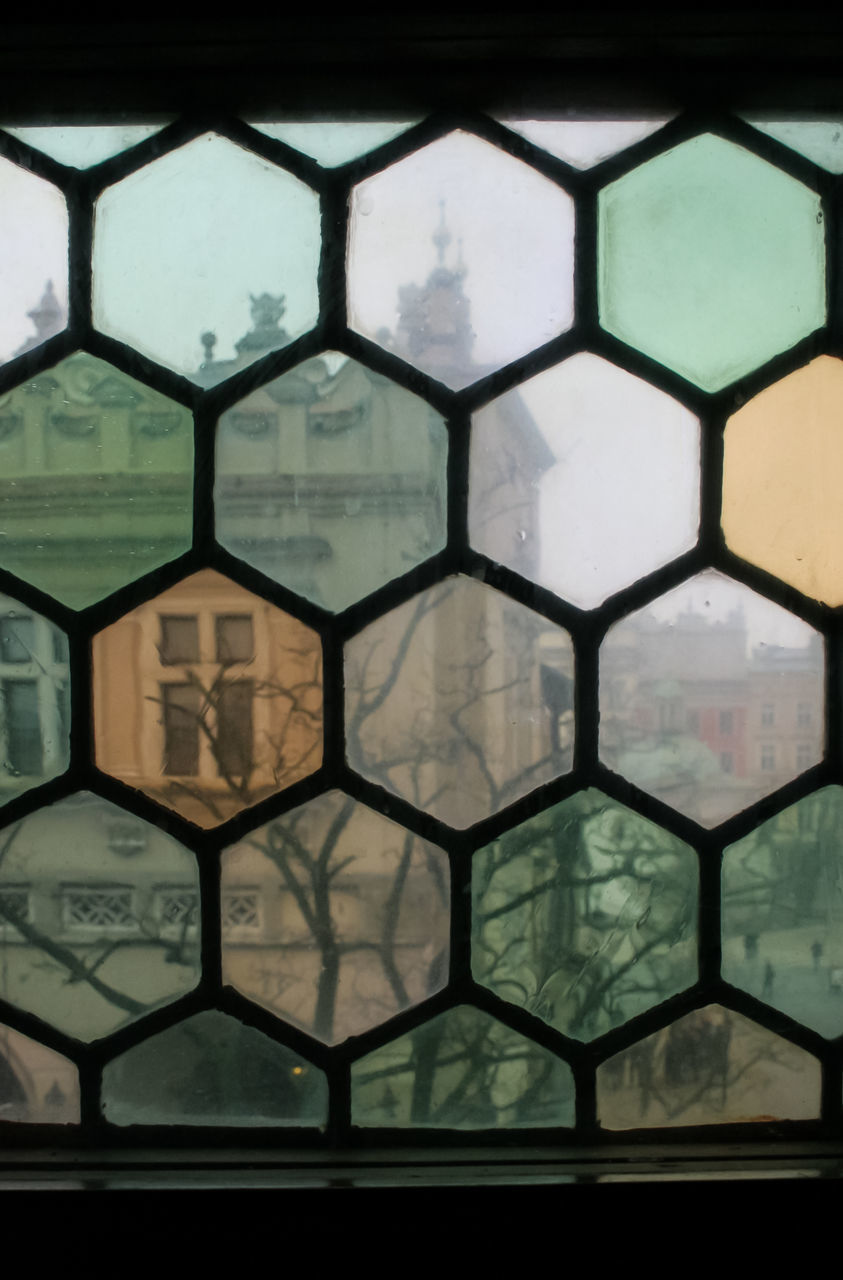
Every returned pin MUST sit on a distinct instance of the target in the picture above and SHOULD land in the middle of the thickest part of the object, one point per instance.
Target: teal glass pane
(96, 480)
(189, 246)
(81, 146)
(98, 916)
(817, 140)
(331, 480)
(710, 260)
(585, 915)
(462, 1070)
(333, 142)
(783, 911)
(212, 1070)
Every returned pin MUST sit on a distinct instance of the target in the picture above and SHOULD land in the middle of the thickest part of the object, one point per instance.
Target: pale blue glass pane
(81, 146)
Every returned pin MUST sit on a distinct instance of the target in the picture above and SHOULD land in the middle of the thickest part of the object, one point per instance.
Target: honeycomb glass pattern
(333, 142)
(213, 1070)
(89, 938)
(583, 143)
(819, 140)
(331, 480)
(701, 694)
(34, 700)
(96, 480)
(460, 701)
(782, 473)
(459, 311)
(186, 248)
(710, 260)
(221, 706)
(783, 912)
(585, 915)
(713, 1066)
(37, 1085)
(334, 917)
(583, 479)
(462, 1070)
(33, 260)
(81, 146)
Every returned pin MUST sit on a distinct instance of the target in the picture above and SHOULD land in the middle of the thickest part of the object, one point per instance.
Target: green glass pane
(462, 1070)
(34, 700)
(710, 260)
(81, 146)
(817, 140)
(334, 142)
(585, 915)
(331, 480)
(96, 480)
(37, 1085)
(212, 1070)
(98, 916)
(783, 909)
(189, 245)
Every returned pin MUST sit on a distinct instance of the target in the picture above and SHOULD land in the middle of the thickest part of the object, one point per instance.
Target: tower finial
(441, 236)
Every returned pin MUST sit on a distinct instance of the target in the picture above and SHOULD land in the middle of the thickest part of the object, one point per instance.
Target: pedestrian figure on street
(769, 979)
(750, 946)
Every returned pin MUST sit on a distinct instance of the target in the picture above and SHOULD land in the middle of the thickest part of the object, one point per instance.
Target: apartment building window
(768, 757)
(181, 713)
(179, 640)
(17, 639)
(804, 715)
(768, 714)
(92, 907)
(234, 638)
(234, 743)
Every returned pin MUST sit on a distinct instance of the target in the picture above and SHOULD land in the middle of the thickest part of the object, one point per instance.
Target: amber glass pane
(334, 917)
(462, 1070)
(213, 1070)
(584, 479)
(783, 912)
(96, 479)
(37, 1085)
(782, 475)
(584, 143)
(185, 247)
(98, 916)
(459, 311)
(710, 260)
(460, 701)
(711, 1067)
(585, 915)
(331, 480)
(208, 735)
(33, 260)
(700, 694)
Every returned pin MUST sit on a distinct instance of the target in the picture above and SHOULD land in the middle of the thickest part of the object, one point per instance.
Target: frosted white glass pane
(583, 143)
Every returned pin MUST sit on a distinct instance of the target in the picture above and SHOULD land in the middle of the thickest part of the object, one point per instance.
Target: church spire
(433, 325)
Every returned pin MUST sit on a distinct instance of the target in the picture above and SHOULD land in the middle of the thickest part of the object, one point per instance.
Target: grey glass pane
(687, 686)
(33, 260)
(96, 479)
(713, 1066)
(212, 1070)
(94, 943)
(460, 700)
(185, 246)
(331, 480)
(37, 1085)
(585, 915)
(335, 918)
(462, 1070)
(783, 912)
(34, 692)
(81, 146)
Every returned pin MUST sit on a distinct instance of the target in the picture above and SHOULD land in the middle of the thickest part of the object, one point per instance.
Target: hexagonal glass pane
(583, 143)
(333, 142)
(711, 697)
(183, 246)
(711, 1067)
(462, 1070)
(98, 916)
(507, 288)
(585, 915)
(818, 140)
(334, 917)
(37, 1085)
(782, 473)
(213, 1070)
(584, 479)
(460, 700)
(81, 146)
(783, 912)
(33, 260)
(710, 260)
(219, 704)
(331, 480)
(96, 480)
(34, 699)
